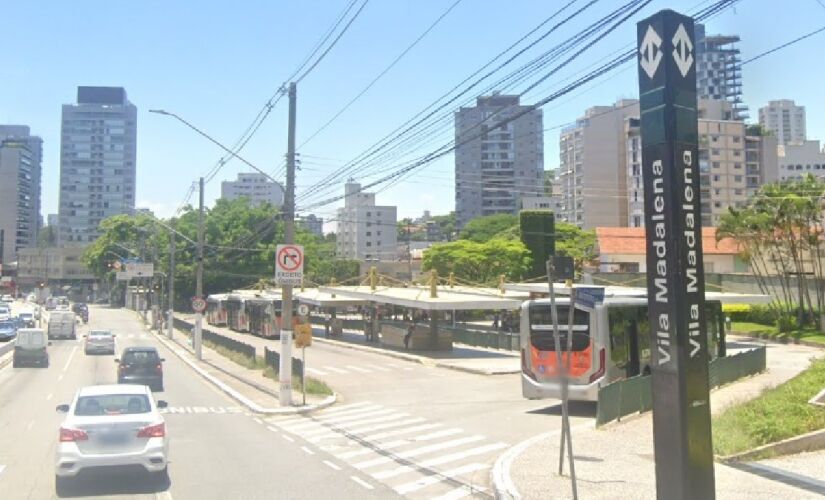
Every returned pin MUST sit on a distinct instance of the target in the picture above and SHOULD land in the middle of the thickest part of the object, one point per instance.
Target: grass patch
(771, 332)
(256, 363)
(778, 413)
(313, 385)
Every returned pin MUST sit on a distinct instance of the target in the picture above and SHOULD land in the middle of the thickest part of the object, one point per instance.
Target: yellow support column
(433, 284)
(373, 278)
(501, 283)
(452, 279)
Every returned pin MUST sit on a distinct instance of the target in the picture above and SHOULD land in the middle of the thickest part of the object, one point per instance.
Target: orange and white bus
(611, 341)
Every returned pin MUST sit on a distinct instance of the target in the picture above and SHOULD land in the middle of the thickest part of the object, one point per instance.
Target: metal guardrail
(508, 341)
(273, 360)
(218, 339)
(633, 395)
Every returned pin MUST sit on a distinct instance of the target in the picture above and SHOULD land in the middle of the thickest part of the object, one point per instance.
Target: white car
(111, 426)
(6, 298)
(98, 341)
(5, 312)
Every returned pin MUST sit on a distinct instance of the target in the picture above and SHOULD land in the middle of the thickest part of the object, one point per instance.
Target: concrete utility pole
(285, 366)
(171, 289)
(196, 337)
(156, 297)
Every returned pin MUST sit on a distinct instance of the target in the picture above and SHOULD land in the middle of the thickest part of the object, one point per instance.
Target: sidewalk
(475, 360)
(249, 387)
(617, 461)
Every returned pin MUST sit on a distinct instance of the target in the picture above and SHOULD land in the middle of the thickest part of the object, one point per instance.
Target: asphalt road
(217, 451)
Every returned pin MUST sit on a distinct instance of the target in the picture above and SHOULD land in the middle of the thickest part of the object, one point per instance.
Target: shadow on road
(126, 482)
(574, 408)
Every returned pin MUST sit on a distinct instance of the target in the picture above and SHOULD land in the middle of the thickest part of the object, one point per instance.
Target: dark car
(140, 365)
(8, 329)
(26, 320)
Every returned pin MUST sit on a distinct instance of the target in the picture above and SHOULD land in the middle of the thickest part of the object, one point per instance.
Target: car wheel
(61, 485)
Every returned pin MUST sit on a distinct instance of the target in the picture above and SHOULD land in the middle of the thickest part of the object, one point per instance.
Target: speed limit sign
(198, 304)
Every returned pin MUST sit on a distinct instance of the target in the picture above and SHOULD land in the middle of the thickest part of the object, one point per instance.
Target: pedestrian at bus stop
(408, 335)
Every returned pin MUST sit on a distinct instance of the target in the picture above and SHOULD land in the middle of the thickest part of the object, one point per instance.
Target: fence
(218, 339)
(273, 360)
(633, 395)
(484, 338)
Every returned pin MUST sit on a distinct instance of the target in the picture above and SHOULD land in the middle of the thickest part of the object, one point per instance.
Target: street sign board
(289, 264)
(122, 276)
(139, 269)
(303, 335)
(198, 304)
(675, 277)
(303, 309)
(589, 296)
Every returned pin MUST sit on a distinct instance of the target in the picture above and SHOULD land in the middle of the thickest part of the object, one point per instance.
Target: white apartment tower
(257, 187)
(97, 161)
(785, 120)
(593, 158)
(365, 230)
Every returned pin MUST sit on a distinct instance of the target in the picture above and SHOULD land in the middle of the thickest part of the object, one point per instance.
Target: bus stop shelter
(428, 305)
(538, 290)
(328, 304)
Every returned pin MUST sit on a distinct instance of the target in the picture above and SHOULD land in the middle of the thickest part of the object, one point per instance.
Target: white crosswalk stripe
(408, 453)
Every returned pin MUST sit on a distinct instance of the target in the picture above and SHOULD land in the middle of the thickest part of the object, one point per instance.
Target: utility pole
(196, 337)
(156, 298)
(171, 288)
(285, 365)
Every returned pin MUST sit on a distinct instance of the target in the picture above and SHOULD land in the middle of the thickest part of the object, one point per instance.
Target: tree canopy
(485, 228)
(479, 262)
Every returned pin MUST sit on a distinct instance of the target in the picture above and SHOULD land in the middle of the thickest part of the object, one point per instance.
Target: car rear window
(6, 324)
(140, 357)
(100, 334)
(112, 404)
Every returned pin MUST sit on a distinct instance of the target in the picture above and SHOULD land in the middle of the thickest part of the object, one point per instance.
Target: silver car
(100, 341)
(111, 426)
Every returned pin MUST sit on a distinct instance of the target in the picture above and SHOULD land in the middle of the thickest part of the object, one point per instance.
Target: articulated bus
(237, 318)
(610, 342)
(216, 310)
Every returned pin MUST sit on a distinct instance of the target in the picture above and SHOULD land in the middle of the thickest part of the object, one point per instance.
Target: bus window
(541, 328)
(644, 340)
(623, 323)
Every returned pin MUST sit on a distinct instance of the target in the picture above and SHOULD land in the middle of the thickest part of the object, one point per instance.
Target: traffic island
(245, 380)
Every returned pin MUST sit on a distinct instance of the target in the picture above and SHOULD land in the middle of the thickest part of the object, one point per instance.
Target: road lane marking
(307, 450)
(379, 368)
(258, 420)
(332, 465)
(288, 438)
(68, 361)
(386, 474)
(60, 377)
(418, 451)
(418, 484)
(273, 429)
(49, 396)
(376, 420)
(336, 370)
(2, 468)
(358, 369)
(358, 430)
(362, 482)
(29, 426)
(460, 492)
(382, 435)
(349, 406)
(316, 371)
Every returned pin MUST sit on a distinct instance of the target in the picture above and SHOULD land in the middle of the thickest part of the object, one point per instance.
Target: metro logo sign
(289, 264)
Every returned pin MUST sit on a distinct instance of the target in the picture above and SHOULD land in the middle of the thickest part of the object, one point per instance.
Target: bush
(758, 313)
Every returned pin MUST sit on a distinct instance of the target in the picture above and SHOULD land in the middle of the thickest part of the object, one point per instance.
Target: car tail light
(152, 431)
(68, 435)
(159, 369)
(600, 372)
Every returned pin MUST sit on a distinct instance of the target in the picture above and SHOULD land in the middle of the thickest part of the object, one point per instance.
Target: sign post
(675, 273)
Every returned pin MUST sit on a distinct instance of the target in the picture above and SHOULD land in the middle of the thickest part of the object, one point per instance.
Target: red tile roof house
(622, 249)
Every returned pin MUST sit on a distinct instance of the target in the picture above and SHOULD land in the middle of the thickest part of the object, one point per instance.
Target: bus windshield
(542, 332)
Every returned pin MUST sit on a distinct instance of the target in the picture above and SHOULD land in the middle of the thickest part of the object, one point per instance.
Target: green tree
(479, 262)
(47, 237)
(447, 225)
(483, 229)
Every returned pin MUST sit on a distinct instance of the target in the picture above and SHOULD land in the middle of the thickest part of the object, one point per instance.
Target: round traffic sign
(290, 258)
(198, 304)
(303, 309)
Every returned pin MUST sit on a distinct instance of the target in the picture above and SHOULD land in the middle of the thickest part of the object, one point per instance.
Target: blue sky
(216, 62)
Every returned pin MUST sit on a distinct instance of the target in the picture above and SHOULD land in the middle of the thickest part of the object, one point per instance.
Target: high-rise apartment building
(785, 120)
(313, 224)
(257, 187)
(719, 71)
(495, 166)
(20, 174)
(732, 164)
(796, 160)
(97, 161)
(593, 158)
(365, 230)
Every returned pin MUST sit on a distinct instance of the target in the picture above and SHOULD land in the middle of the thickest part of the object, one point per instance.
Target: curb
(771, 340)
(811, 441)
(412, 358)
(237, 396)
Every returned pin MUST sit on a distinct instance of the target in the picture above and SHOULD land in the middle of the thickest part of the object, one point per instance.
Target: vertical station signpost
(675, 274)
